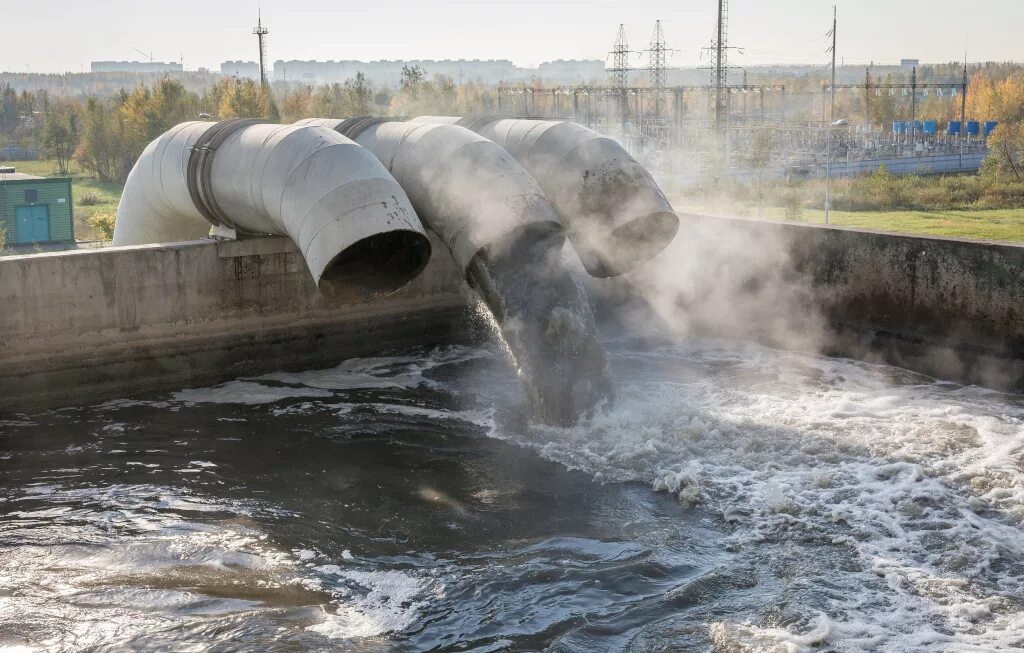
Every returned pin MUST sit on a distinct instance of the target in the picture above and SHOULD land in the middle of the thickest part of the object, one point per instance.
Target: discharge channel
(734, 498)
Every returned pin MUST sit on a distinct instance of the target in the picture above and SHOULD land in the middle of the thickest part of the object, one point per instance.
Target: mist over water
(735, 498)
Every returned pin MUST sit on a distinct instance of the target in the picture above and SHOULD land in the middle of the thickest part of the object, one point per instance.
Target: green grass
(975, 224)
(82, 185)
(992, 224)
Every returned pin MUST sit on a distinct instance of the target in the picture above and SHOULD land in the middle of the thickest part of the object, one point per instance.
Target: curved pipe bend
(464, 187)
(614, 213)
(350, 219)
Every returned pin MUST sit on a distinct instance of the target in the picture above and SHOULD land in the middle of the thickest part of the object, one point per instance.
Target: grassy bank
(970, 206)
(992, 224)
(90, 196)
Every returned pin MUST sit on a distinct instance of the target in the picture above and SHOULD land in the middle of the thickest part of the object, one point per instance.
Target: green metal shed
(36, 209)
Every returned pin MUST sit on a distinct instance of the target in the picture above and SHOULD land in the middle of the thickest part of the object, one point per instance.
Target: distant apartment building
(135, 67)
(240, 69)
(572, 71)
(389, 72)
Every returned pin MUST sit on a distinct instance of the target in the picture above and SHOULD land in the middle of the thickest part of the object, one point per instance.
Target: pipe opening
(637, 241)
(378, 265)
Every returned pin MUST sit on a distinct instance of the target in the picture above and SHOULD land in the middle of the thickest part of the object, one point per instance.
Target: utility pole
(963, 100)
(963, 111)
(261, 33)
(831, 120)
(913, 110)
(867, 99)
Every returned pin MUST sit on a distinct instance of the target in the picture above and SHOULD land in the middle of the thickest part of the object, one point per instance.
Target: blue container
(918, 126)
(990, 127)
(973, 127)
(953, 128)
(931, 127)
(897, 127)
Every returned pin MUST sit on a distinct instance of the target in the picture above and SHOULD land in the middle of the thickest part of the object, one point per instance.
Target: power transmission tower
(620, 59)
(720, 68)
(620, 72)
(657, 54)
(720, 75)
(261, 34)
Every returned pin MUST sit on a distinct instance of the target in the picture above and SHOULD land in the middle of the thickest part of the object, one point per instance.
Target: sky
(64, 35)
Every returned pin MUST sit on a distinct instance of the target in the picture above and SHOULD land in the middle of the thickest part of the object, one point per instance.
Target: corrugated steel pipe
(508, 240)
(614, 213)
(465, 188)
(350, 219)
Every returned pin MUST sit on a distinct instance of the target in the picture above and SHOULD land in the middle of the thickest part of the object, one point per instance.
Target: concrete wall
(94, 324)
(948, 308)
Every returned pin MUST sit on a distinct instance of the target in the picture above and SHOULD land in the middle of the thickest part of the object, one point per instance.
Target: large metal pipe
(350, 219)
(614, 213)
(508, 240)
(464, 187)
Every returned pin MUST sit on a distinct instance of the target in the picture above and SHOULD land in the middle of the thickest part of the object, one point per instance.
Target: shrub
(90, 199)
(103, 224)
(792, 199)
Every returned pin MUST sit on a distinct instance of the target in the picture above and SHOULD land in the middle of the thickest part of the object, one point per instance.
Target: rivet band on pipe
(352, 127)
(200, 167)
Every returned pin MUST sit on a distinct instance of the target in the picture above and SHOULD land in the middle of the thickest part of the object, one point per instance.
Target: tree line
(106, 136)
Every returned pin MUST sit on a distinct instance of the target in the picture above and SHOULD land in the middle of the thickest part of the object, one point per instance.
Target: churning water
(734, 499)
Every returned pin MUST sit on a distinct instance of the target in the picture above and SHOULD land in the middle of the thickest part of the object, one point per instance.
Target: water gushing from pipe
(545, 318)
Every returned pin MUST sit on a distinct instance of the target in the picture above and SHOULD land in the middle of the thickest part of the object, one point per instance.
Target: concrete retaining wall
(948, 308)
(94, 324)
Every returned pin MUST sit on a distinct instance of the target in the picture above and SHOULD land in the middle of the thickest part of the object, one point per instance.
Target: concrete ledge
(87, 325)
(949, 308)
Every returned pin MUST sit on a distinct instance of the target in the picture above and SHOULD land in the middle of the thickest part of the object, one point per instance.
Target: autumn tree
(244, 98)
(60, 136)
(1006, 152)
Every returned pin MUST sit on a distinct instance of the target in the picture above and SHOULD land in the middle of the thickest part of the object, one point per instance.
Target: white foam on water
(920, 481)
(374, 603)
(381, 372)
(245, 392)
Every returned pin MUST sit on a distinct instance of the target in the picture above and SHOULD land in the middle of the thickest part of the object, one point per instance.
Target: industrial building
(389, 72)
(135, 67)
(240, 69)
(35, 209)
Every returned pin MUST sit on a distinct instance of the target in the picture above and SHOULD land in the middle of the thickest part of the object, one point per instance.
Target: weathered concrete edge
(85, 326)
(945, 307)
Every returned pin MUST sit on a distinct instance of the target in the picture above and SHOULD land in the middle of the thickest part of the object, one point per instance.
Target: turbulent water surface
(734, 499)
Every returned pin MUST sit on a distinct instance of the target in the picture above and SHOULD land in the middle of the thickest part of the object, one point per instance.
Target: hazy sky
(62, 35)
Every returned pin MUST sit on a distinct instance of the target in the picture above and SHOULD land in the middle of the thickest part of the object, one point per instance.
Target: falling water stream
(545, 318)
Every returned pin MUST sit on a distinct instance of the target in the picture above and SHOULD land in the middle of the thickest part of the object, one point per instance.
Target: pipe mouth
(378, 265)
(630, 245)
